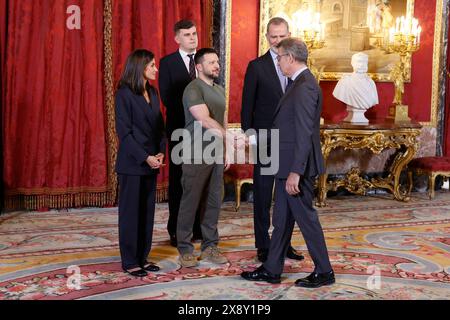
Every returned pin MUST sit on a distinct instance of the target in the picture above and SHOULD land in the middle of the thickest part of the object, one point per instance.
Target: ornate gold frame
(436, 60)
(436, 54)
(436, 66)
(265, 7)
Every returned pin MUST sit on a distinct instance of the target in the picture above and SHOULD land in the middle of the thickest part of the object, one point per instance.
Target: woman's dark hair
(133, 71)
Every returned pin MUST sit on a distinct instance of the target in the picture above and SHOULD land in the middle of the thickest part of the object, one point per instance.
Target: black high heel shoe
(137, 272)
(150, 266)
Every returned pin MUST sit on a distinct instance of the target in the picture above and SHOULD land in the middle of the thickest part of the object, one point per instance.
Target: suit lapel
(299, 79)
(271, 71)
(180, 64)
(151, 112)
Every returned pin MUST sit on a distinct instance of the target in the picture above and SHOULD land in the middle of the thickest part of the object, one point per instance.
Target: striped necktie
(191, 66)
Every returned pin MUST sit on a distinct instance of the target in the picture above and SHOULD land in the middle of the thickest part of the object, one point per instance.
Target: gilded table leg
(237, 187)
(410, 180)
(323, 185)
(431, 184)
(392, 182)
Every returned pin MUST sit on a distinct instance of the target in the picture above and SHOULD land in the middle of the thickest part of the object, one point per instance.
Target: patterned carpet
(408, 243)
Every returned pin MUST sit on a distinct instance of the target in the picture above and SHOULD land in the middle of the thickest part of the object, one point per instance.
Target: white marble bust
(357, 90)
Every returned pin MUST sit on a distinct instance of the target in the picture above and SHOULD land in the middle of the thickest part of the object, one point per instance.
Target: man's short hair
(183, 24)
(296, 48)
(198, 58)
(277, 21)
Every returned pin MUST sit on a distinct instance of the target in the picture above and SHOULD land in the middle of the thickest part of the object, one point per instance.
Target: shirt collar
(299, 71)
(273, 54)
(184, 54)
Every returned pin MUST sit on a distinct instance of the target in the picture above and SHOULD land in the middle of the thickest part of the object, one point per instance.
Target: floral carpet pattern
(379, 249)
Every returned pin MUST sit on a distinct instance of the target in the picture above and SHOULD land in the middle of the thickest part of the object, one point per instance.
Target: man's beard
(211, 75)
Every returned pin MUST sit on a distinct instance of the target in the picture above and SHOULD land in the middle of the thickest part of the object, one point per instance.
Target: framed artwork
(350, 26)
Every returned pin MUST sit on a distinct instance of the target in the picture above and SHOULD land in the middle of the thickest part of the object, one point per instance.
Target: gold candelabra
(308, 27)
(404, 40)
(313, 41)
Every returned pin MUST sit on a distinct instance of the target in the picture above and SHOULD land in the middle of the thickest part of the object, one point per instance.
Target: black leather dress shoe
(136, 273)
(261, 274)
(293, 254)
(262, 254)
(173, 240)
(150, 266)
(316, 280)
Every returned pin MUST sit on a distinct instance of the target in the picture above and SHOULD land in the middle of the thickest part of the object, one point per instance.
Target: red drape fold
(54, 123)
(3, 32)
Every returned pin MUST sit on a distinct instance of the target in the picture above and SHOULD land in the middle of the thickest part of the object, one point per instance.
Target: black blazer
(261, 94)
(298, 119)
(173, 79)
(140, 128)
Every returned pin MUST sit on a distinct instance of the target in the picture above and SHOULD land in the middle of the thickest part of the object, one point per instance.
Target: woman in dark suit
(140, 129)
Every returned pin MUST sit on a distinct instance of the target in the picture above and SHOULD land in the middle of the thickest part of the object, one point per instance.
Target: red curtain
(53, 119)
(3, 31)
(149, 24)
(57, 126)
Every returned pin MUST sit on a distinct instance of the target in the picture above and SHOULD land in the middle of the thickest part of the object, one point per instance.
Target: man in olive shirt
(202, 179)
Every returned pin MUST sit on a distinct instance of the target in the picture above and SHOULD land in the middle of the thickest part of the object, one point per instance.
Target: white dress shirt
(296, 74)
(281, 77)
(186, 59)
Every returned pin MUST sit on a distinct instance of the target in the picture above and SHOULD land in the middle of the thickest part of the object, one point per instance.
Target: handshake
(237, 148)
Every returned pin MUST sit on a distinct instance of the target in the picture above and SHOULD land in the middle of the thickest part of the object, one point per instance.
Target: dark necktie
(191, 66)
(289, 83)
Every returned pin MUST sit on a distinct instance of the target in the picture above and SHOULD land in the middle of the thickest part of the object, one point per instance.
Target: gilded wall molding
(437, 55)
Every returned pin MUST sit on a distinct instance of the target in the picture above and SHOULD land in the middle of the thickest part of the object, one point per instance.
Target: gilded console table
(377, 136)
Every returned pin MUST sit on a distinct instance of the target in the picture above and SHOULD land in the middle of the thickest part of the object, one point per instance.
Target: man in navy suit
(264, 85)
(297, 117)
(176, 71)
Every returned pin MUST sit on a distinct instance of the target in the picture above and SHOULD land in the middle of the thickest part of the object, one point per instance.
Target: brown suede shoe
(213, 255)
(188, 260)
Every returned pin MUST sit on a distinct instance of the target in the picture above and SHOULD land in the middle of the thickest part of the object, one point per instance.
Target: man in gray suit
(297, 118)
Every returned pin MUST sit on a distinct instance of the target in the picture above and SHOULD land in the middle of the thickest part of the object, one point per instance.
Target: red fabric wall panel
(244, 47)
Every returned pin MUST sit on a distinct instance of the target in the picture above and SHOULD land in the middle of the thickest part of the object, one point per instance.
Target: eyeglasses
(280, 55)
